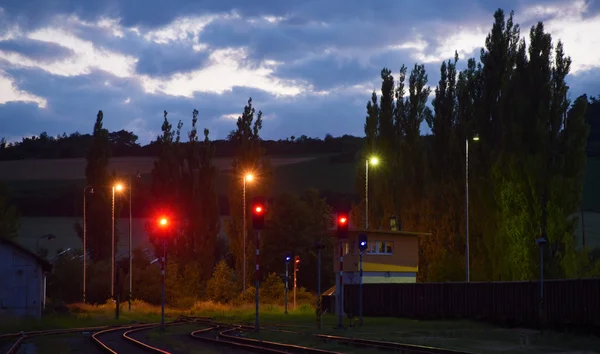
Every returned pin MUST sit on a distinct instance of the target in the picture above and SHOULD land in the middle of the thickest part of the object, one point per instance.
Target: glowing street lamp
(248, 177)
(118, 187)
(373, 160)
(475, 138)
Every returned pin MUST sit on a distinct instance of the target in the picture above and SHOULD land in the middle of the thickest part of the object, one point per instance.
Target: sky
(310, 66)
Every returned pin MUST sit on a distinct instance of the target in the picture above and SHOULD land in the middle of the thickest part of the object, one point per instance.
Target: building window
(380, 247)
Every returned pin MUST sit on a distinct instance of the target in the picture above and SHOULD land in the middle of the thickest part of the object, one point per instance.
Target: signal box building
(390, 257)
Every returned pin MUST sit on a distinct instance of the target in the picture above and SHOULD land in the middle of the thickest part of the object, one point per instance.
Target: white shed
(22, 280)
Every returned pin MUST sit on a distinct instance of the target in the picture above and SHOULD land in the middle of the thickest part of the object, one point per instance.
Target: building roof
(46, 265)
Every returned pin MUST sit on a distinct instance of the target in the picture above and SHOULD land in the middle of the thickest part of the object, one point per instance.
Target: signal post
(342, 234)
(163, 227)
(258, 224)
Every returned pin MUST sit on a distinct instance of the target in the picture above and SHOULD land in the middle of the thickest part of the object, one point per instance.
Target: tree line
(124, 143)
(183, 187)
(525, 170)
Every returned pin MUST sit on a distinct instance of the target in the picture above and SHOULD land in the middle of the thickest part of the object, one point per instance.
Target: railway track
(21, 337)
(391, 346)
(229, 336)
(119, 339)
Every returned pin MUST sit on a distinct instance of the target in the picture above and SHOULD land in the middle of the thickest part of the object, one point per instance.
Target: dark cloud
(327, 72)
(331, 44)
(165, 60)
(584, 82)
(42, 51)
(24, 118)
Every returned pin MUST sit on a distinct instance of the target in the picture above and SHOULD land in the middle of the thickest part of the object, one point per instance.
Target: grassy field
(465, 335)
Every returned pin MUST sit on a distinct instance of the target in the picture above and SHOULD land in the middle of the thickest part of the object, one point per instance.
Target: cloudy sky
(309, 65)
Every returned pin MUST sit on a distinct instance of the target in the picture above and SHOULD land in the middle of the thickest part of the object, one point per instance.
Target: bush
(304, 297)
(247, 296)
(272, 291)
(221, 287)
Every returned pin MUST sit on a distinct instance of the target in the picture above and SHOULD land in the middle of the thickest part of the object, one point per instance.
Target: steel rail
(402, 347)
(255, 345)
(23, 336)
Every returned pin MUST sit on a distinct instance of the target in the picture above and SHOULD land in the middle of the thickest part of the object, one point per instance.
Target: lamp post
(48, 237)
(373, 161)
(117, 187)
(475, 138)
(86, 190)
(247, 178)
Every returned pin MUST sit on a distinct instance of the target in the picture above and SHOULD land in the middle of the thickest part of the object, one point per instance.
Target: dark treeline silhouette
(125, 143)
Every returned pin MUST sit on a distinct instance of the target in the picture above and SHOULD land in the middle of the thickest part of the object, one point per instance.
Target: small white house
(22, 280)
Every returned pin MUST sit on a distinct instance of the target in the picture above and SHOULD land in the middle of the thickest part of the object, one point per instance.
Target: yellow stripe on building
(379, 267)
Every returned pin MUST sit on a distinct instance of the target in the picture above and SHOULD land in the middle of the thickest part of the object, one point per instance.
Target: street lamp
(247, 178)
(86, 190)
(475, 138)
(116, 188)
(373, 161)
(48, 237)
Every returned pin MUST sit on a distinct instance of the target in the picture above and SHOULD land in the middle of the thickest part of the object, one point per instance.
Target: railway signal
(258, 223)
(296, 267)
(342, 233)
(287, 277)
(163, 226)
(342, 225)
(362, 246)
(258, 213)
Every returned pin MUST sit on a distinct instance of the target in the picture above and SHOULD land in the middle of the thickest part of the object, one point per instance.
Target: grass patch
(60, 344)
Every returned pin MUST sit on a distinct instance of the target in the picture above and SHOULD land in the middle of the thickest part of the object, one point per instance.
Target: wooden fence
(567, 303)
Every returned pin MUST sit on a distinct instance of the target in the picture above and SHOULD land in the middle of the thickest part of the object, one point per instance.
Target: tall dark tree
(297, 223)
(99, 204)
(249, 158)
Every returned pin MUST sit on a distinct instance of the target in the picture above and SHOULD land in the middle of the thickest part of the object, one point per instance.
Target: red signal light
(342, 225)
(258, 209)
(163, 222)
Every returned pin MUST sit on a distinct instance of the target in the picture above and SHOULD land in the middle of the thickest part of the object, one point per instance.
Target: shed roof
(46, 265)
